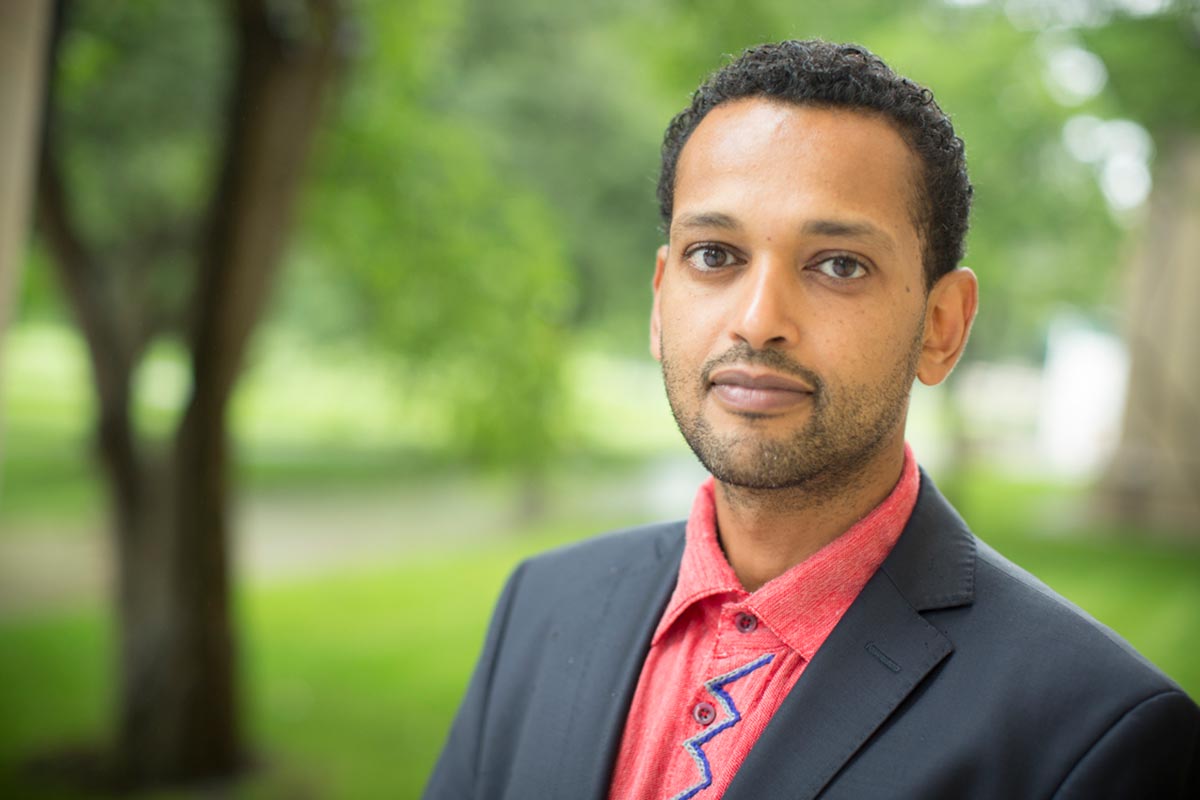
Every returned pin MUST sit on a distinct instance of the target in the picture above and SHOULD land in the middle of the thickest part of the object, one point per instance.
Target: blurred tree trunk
(178, 699)
(23, 30)
(1155, 475)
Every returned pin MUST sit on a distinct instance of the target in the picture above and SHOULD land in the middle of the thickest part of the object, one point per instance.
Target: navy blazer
(954, 674)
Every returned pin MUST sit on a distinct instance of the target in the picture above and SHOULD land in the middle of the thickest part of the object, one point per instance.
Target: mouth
(751, 392)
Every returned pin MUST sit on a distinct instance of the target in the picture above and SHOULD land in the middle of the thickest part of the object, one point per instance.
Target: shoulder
(1121, 727)
(1056, 633)
(1066, 700)
(994, 610)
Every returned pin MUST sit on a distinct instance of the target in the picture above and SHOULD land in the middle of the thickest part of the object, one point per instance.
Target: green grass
(358, 675)
(352, 678)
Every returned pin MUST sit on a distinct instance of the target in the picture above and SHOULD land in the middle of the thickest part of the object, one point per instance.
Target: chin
(766, 465)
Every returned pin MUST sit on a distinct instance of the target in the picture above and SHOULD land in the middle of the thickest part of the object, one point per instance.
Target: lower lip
(757, 401)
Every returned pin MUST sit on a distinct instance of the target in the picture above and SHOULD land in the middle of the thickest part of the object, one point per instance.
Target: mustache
(745, 355)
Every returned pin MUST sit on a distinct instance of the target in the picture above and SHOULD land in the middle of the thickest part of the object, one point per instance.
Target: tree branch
(288, 55)
(89, 291)
(82, 276)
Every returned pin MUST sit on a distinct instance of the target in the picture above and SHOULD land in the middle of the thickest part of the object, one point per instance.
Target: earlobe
(949, 313)
(660, 263)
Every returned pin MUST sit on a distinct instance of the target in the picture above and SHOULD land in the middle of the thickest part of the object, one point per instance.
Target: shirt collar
(802, 605)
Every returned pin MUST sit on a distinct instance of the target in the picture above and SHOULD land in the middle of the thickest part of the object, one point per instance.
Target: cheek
(862, 345)
(689, 320)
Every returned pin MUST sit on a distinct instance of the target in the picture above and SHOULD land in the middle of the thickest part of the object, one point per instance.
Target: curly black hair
(821, 74)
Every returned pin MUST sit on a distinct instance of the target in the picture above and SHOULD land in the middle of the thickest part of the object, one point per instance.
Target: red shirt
(722, 659)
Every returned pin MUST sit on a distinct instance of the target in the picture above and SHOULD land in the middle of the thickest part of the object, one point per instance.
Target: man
(824, 624)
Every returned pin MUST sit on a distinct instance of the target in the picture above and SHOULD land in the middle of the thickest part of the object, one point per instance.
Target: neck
(766, 532)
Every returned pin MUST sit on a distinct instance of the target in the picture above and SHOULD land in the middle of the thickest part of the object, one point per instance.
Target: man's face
(789, 303)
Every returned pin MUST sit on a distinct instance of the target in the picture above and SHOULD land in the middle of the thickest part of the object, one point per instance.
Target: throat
(766, 532)
(764, 537)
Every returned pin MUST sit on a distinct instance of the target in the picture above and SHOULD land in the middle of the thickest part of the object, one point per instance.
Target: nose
(765, 315)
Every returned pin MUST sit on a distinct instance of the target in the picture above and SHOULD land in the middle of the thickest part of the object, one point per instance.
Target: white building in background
(1083, 397)
(1061, 419)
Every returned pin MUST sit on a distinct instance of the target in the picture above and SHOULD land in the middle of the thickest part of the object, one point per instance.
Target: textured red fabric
(665, 751)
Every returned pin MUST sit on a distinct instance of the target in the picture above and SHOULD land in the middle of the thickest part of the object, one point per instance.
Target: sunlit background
(445, 362)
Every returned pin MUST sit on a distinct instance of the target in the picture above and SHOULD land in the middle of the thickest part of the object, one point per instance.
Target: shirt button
(704, 713)
(745, 623)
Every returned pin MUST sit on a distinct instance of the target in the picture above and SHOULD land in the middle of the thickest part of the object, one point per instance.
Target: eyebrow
(707, 219)
(848, 230)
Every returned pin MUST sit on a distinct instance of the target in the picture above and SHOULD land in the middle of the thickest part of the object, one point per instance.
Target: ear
(949, 312)
(660, 262)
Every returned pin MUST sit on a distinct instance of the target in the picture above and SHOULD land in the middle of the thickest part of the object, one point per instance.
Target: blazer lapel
(880, 651)
(615, 644)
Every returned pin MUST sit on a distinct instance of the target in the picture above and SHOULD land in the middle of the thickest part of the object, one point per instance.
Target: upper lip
(758, 380)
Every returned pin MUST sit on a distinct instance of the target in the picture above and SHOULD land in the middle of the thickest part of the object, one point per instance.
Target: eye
(707, 257)
(841, 267)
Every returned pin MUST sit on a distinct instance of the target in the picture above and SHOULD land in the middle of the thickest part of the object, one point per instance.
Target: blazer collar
(876, 656)
(933, 563)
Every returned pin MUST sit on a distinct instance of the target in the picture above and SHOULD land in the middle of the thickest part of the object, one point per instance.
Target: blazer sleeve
(1153, 750)
(454, 776)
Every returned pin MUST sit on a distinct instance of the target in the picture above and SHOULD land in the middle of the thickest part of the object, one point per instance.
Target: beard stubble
(847, 427)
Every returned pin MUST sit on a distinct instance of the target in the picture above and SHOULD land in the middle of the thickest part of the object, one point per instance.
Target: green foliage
(1154, 66)
(39, 299)
(138, 118)
(430, 251)
(571, 112)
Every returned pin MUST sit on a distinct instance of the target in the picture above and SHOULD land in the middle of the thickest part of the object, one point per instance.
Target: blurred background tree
(457, 346)
(1155, 476)
(173, 148)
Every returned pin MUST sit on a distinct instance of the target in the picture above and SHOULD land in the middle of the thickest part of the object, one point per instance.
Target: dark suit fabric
(953, 675)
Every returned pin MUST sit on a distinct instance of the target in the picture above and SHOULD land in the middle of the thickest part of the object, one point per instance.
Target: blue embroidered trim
(716, 687)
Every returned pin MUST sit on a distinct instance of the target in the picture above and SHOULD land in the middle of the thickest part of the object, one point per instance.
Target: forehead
(765, 160)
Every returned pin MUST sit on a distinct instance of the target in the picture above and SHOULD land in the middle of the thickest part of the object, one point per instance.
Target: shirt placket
(739, 641)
